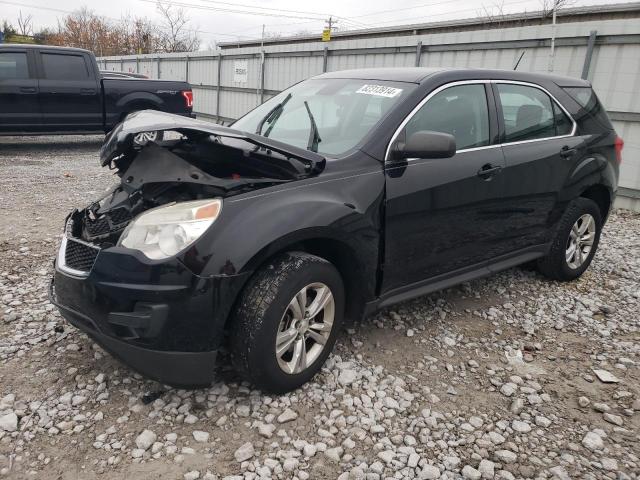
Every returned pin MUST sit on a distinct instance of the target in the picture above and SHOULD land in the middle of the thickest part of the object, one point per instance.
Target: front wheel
(575, 242)
(142, 138)
(287, 321)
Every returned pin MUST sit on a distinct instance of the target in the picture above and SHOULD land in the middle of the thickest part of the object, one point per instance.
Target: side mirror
(426, 144)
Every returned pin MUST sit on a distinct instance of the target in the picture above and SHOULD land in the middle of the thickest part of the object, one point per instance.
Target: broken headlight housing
(164, 231)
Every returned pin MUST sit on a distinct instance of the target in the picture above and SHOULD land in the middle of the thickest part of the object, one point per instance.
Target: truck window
(13, 65)
(64, 67)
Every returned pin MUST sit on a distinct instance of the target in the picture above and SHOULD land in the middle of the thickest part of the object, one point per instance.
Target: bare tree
(25, 25)
(548, 6)
(493, 13)
(175, 34)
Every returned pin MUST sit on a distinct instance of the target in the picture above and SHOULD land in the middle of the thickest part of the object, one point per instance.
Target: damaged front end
(203, 161)
(144, 303)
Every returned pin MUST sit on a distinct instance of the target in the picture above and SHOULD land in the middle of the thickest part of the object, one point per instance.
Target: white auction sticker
(379, 90)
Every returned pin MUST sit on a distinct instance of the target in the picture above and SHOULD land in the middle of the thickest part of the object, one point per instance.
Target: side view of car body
(344, 194)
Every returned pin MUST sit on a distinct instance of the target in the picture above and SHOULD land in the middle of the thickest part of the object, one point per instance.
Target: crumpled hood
(120, 140)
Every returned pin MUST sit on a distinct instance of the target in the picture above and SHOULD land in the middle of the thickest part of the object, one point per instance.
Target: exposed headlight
(165, 231)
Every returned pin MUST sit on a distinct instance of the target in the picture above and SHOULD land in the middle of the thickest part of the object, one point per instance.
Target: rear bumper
(159, 318)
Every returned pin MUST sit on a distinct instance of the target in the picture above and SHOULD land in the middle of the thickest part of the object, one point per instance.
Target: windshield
(329, 116)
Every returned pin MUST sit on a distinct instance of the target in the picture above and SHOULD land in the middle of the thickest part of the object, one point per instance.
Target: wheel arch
(357, 271)
(601, 196)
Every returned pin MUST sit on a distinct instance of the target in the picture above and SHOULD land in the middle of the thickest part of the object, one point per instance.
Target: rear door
(444, 214)
(540, 149)
(19, 110)
(69, 95)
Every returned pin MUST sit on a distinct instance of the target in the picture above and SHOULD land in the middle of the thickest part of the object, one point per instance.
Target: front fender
(252, 226)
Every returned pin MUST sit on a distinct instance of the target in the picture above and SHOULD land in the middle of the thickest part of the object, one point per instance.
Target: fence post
(121, 64)
(218, 87)
(418, 53)
(137, 64)
(325, 54)
(262, 68)
(186, 68)
(587, 58)
(158, 71)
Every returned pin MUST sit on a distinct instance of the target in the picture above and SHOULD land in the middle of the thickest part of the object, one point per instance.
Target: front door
(19, 110)
(70, 96)
(444, 215)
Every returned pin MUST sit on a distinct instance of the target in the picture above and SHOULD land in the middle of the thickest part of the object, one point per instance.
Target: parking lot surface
(512, 376)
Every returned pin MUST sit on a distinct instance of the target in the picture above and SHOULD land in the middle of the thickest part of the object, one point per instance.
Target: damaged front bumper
(159, 318)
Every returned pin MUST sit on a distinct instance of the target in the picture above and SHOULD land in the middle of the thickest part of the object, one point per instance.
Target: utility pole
(553, 35)
(330, 23)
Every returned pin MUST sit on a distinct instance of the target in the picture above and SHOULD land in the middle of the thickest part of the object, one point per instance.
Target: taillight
(188, 97)
(619, 145)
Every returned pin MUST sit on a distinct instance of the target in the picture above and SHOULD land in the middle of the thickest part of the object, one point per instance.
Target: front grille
(79, 256)
(107, 222)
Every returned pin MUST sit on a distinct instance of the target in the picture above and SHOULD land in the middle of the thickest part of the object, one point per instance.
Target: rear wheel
(287, 321)
(575, 242)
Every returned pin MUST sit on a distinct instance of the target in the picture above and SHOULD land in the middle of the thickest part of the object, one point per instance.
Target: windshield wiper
(271, 116)
(314, 134)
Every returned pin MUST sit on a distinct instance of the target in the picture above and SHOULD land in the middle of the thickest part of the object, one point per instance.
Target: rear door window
(13, 65)
(64, 67)
(528, 113)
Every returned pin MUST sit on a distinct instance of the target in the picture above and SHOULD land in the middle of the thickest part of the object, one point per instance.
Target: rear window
(587, 99)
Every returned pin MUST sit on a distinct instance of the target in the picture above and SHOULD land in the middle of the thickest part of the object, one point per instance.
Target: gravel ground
(513, 376)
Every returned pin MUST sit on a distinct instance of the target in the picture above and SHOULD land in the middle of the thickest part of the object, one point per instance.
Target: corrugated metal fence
(229, 83)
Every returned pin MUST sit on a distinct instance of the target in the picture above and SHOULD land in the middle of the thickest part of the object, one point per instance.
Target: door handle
(488, 171)
(87, 91)
(27, 89)
(567, 152)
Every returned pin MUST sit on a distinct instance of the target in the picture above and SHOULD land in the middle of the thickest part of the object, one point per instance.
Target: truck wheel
(575, 242)
(142, 138)
(286, 321)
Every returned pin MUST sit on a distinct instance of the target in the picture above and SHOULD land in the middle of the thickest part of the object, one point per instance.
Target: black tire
(260, 309)
(555, 265)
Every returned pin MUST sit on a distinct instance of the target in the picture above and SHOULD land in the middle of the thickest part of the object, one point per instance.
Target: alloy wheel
(580, 242)
(305, 328)
(143, 138)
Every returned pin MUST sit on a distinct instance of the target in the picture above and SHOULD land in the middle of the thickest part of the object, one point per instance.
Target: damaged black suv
(346, 193)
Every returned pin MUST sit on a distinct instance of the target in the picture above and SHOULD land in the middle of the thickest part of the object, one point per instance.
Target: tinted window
(64, 67)
(527, 111)
(460, 111)
(588, 100)
(563, 122)
(13, 65)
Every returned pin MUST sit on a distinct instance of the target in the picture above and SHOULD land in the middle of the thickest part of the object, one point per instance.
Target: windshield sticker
(379, 91)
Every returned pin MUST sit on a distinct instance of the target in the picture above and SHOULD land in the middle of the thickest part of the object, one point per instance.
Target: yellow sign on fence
(326, 35)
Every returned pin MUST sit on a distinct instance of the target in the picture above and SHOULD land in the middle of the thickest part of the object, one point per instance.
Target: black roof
(43, 47)
(418, 74)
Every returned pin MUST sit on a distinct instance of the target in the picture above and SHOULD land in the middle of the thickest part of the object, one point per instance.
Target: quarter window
(529, 114)
(461, 111)
(64, 67)
(13, 65)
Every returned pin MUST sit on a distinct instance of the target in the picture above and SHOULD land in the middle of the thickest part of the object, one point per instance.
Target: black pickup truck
(51, 90)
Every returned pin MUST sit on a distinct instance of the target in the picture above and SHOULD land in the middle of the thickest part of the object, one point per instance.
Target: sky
(229, 20)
